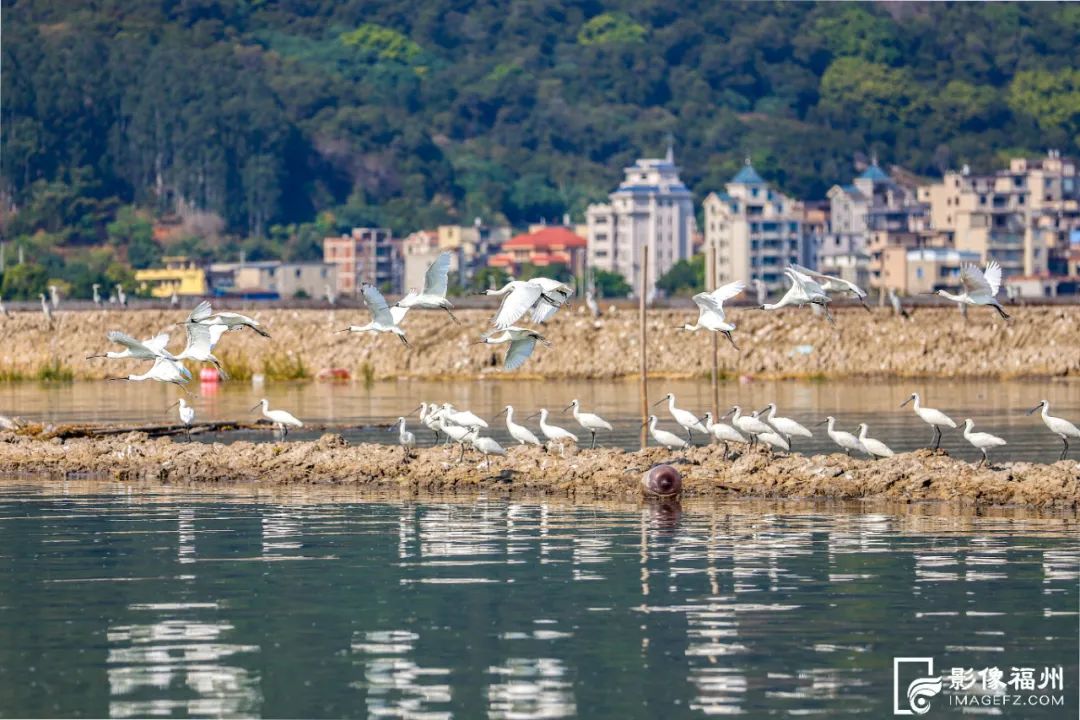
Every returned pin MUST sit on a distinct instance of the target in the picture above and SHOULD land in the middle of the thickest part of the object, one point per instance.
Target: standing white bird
(842, 438)
(428, 418)
(187, 415)
(121, 296)
(329, 294)
(382, 319)
(163, 370)
(553, 433)
(774, 441)
(522, 343)
(982, 441)
(149, 349)
(464, 418)
(203, 314)
(749, 424)
(723, 432)
(687, 419)
(589, 421)
(522, 434)
(980, 287)
(405, 438)
(664, 438)
(935, 418)
(97, 293)
(281, 419)
(54, 296)
(46, 310)
(760, 291)
(832, 284)
(590, 302)
(870, 446)
(3, 308)
(1059, 426)
(433, 295)
(487, 446)
(898, 308)
(457, 433)
(711, 310)
(174, 299)
(787, 427)
(803, 291)
(201, 340)
(540, 295)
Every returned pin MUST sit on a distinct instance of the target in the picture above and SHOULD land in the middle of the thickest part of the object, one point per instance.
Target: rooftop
(875, 173)
(548, 238)
(747, 176)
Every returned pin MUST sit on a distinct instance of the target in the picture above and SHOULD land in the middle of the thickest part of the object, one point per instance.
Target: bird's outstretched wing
(993, 276)
(157, 343)
(727, 291)
(216, 331)
(398, 313)
(130, 343)
(516, 304)
(975, 282)
(435, 277)
(380, 311)
(198, 340)
(543, 310)
(519, 352)
(200, 312)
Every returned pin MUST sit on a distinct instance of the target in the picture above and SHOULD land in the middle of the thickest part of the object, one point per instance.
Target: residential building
(756, 231)
(366, 255)
(924, 270)
(273, 279)
(651, 208)
(543, 246)
(419, 250)
(180, 276)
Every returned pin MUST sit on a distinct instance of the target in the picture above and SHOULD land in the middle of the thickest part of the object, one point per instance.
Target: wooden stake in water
(643, 389)
(710, 285)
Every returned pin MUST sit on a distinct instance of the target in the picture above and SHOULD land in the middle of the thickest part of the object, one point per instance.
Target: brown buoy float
(661, 481)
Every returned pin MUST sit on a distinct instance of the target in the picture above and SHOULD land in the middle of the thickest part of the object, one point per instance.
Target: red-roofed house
(547, 246)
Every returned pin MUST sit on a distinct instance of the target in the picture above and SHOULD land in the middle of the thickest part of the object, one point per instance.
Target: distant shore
(937, 342)
(602, 474)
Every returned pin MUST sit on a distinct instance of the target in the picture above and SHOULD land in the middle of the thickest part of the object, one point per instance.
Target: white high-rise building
(651, 206)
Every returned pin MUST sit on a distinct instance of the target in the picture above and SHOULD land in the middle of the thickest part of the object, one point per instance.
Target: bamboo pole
(643, 387)
(711, 282)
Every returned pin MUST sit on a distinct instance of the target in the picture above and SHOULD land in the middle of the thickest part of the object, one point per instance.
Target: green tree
(25, 281)
(134, 231)
(1052, 99)
(611, 284)
(684, 278)
(487, 278)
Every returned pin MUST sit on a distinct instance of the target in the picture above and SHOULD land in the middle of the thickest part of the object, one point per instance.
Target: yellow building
(180, 275)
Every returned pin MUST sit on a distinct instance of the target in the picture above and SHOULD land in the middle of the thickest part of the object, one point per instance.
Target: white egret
(760, 291)
(405, 438)
(487, 446)
(833, 284)
(898, 308)
(149, 349)
(664, 438)
(382, 319)
(201, 340)
(331, 296)
(553, 433)
(3, 308)
(281, 419)
(687, 419)
(787, 427)
(433, 296)
(522, 434)
(203, 314)
(980, 287)
(774, 441)
(870, 446)
(464, 418)
(54, 296)
(590, 302)
(589, 421)
(97, 293)
(45, 309)
(187, 415)
(522, 343)
(540, 295)
(982, 441)
(935, 418)
(842, 438)
(1059, 426)
(711, 310)
(803, 291)
(723, 432)
(163, 370)
(121, 296)
(749, 424)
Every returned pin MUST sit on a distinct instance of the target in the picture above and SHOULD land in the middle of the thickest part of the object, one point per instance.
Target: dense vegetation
(263, 124)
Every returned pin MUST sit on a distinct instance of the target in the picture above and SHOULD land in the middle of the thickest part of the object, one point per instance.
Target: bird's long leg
(985, 458)
(456, 321)
(403, 340)
(1064, 450)
(791, 445)
(937, 437)
(725, 450)
(828, 315)
(727, 334)
(847, 451)
(593, 443)
(461, 459)
(1001, 311)
(689, 436)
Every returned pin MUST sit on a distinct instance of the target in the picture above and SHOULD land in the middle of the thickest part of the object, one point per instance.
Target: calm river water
(996, 406)
(145, 604)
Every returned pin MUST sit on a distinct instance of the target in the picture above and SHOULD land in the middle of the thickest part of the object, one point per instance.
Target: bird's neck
(950, 296)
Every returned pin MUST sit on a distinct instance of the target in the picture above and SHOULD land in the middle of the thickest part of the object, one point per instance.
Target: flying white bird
(203, 314)
(464, 418)
(54, 296)
(553, 433)
(163, 370)
(433, 295)
(664, 438)
(201, 340)
(711, 310)
(803, 291)
(522, 343)
(589, 421)
(149, 349)
(281, 419)
(187, 415)
(540, 295)
(383, 319)
(687, 419)
(1059, 426)
(832, 284)
(932, 417)
(487, 446)
(46, 310)
(870, 446)
(405, 438)
(749, 424)
(842, 438)
(723, 432)
(787, 427)
(982, 441)
(522, 434)
(980, 287)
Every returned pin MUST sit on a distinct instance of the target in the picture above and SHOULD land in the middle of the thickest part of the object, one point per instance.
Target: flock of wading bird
(541, 298)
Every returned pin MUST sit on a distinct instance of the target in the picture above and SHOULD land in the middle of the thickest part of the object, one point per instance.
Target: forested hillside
(283, 119)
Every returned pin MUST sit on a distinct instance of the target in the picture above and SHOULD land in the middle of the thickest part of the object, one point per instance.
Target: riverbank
(600, 474)
(936, 342)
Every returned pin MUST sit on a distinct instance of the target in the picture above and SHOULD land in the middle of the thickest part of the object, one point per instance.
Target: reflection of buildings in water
(406, 531)
(589, 550)
(151, 666)
(185, 545)
(985, 559)
(530, 688)
(395, 686)
(1060, 565)
(459, 531)
(281, 530)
